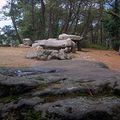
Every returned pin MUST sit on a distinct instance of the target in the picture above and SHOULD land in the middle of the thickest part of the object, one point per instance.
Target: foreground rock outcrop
(60, 90)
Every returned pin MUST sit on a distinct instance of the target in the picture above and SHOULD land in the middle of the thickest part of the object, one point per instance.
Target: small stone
(27, 42)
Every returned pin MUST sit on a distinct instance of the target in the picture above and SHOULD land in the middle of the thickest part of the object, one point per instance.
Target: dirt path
(15, 57)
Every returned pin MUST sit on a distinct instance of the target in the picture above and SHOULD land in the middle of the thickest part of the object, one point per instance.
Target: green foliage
(97, 46)
(79, 17)
(87, 44)
(112, 24)
(8, 36)
(116, 44)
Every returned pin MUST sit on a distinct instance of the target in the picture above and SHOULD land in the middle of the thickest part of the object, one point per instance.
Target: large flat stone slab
(61, 90)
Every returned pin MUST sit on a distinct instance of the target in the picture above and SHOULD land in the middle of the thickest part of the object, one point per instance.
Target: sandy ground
(109, 57)
(15, 57)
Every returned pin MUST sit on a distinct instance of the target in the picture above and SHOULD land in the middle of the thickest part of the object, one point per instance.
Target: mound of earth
(60, 90)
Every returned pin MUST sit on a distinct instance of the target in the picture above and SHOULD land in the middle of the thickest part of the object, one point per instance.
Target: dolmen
(54, 48)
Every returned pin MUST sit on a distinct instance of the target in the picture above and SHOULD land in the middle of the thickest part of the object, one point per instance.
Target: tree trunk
(14, 23)
(101, 14)
(43, 17)
(116, 19)
(50, 28)
(33, 17)
(77, 18)
(92, 34)
(67, 20)
(101, 33)
(87, 23)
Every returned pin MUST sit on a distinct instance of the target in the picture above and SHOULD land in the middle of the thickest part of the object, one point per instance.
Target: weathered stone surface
(54, 43)
(48, 54)
(27, 42)
(72, 37)
(81, 108)
(53, 49)
(33, 52)
(6, 73)
(63, 55)
(31, 102)
(38, 43)
(62, 91)
(84, 74)
(16, 86)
